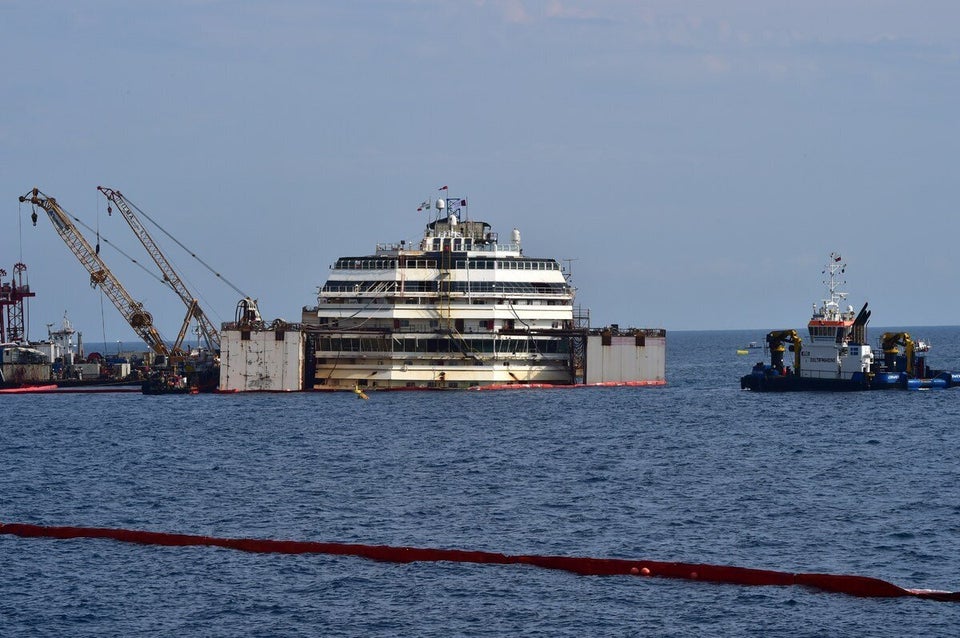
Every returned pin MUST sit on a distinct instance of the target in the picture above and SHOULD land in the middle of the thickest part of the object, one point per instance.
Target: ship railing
(510, 247)
(493, 248)
(262, 326)
(391, 247)
(479, 298)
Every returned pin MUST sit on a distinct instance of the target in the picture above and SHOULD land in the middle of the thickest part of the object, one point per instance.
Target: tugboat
(838, 356)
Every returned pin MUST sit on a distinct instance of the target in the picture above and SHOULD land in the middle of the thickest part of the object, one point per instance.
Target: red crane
(12, 295)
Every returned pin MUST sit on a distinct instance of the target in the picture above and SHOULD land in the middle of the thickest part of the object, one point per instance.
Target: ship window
(371, 345)
(279, 335)
(244, 335)
(457, 244)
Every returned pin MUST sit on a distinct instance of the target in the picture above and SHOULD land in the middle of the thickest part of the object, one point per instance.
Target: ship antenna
(834, 269)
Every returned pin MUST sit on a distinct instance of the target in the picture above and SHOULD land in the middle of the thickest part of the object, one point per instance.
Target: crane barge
(173, 373)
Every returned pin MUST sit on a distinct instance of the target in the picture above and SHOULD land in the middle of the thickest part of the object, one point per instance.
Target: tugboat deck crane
(100, 275)
(170, 276)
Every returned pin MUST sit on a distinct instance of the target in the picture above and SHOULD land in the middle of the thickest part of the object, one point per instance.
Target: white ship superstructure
(837, 346)
(460, 309)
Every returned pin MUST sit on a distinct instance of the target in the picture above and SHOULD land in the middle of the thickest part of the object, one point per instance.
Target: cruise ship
(456, 309)
(460, 309)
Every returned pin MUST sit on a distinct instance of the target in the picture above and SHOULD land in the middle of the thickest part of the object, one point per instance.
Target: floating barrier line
(839, 583)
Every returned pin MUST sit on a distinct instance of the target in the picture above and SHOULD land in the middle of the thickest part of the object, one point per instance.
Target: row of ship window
(446, 286)
(346, 263)
(406, 325)
(466, 346)
(825, 331)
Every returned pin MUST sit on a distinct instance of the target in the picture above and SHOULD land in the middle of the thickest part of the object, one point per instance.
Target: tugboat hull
(766, 382)
(794, 383)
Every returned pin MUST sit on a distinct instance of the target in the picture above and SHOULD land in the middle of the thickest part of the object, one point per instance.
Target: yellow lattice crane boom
(100, 275)
(170, 276)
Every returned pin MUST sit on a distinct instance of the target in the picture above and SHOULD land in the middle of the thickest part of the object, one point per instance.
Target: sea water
(697, 471)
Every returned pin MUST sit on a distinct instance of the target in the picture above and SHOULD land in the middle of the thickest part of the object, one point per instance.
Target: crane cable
(190, 252)
(113, 245)
(103, 318)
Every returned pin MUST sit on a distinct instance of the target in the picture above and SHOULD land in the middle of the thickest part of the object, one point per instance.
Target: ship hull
(795, 383)
(883, 381)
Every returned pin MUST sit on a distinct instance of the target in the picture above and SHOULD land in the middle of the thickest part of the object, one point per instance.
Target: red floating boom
(852, 585)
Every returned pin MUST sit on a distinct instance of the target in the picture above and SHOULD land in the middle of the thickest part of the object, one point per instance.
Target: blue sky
(697, 161)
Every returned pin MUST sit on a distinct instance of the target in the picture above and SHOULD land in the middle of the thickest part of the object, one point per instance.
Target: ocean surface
(697, 471)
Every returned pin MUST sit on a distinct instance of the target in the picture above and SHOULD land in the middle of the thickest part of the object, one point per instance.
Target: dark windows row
(491, 287)
(443, 346)
(354, 263)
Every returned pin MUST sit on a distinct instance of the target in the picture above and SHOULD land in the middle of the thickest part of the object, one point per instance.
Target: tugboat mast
(834, 270)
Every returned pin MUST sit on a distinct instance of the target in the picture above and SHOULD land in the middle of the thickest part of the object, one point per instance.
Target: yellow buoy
(360, 393)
